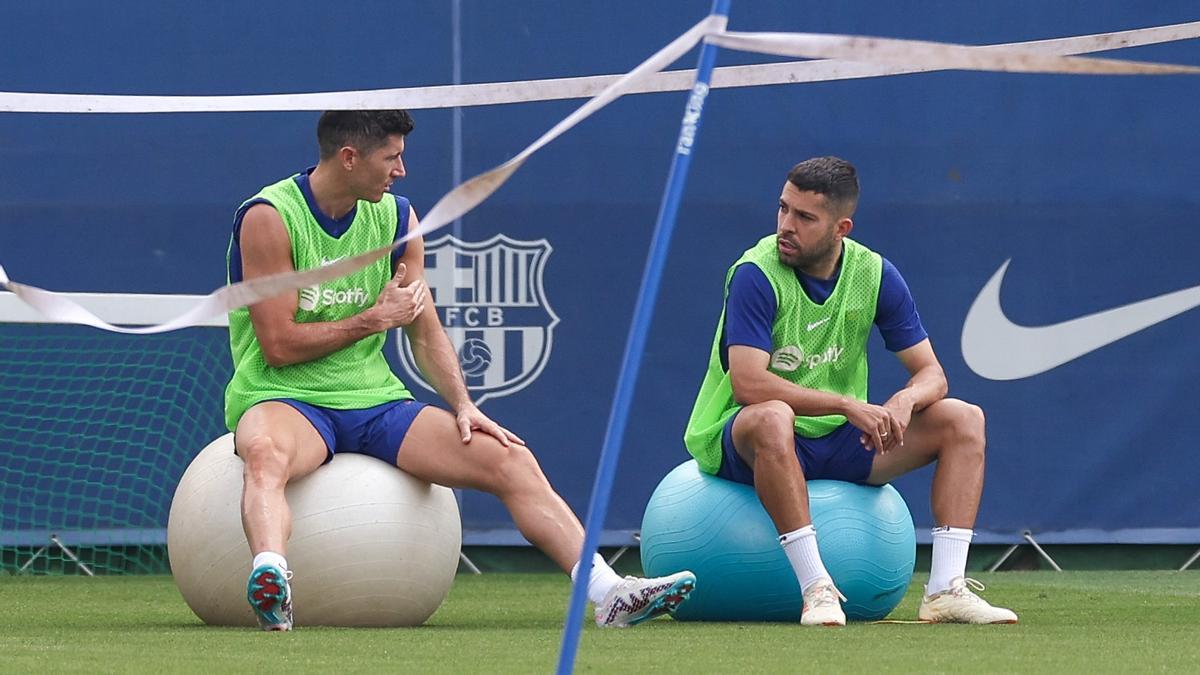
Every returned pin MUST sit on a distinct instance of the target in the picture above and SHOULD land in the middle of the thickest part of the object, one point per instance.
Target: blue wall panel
(1086, 184)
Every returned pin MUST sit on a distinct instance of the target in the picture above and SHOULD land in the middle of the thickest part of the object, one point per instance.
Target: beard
(813, 257)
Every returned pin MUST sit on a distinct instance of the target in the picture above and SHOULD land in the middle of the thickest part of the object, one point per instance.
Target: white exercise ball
(370, 544)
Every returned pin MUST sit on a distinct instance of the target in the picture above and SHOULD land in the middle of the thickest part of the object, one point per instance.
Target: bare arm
(267, 249)
(436, 358)
(927, 382)
(754, 383)
(434, 354)
(926, 385)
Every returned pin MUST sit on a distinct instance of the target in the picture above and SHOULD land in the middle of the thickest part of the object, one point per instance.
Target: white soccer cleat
(958, 604)
(822, 605)
(635, 600)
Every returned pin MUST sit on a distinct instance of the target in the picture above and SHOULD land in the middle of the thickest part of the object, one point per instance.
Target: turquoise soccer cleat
(270, 595)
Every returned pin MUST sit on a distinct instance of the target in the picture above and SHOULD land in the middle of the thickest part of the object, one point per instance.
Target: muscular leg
(277, 443)
(433, 451)
(952, 433)
(764, 437)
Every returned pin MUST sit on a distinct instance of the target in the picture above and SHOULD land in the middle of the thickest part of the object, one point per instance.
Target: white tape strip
(828, 70)
(494, 93)
(895, 55)
(455, 203)
(123, 309)
(934, 54)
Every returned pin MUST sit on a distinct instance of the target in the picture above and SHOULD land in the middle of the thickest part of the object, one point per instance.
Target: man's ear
(346, 156)
(843, 227)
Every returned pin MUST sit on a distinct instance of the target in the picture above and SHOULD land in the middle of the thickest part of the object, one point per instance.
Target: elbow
(744, 392)
(275, 354)
(275, 338)
(943, 386)
(275, 360)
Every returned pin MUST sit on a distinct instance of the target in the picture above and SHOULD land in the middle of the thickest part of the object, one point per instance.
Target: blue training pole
(635, 345)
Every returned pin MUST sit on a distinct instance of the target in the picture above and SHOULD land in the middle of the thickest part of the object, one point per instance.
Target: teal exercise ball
(719, 530)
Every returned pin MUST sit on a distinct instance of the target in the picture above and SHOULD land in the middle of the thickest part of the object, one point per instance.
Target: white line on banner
(466, 196)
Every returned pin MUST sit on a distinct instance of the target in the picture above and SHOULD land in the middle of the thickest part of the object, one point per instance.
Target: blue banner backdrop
(1086, 185)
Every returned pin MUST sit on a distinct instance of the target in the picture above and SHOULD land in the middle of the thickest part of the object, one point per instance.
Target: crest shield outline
(491, 301)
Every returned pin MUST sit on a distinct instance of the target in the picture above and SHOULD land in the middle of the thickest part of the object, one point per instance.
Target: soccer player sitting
(784, 399)
(310, 377)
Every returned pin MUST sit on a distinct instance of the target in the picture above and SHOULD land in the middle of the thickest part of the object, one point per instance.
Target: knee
(968, 427)
(769, 426)
(516, 470)
(266, 464)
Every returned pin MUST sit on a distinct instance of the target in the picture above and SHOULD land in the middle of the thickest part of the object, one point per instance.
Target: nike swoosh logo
(817, 323)
(998, 349)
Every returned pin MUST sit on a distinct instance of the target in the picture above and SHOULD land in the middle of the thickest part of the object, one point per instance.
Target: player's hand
(399, 305)
(901, 407)
(876, 423)
(470, 418)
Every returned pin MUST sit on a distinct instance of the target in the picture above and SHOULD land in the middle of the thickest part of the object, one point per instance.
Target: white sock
(269, 558)
(601, 581)
(801, 549)
(950, 546)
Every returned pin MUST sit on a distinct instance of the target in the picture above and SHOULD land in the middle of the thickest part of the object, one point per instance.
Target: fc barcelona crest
(491, 301)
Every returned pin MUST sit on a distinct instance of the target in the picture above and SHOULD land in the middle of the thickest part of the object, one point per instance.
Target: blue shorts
(835, 456)
(377, 431)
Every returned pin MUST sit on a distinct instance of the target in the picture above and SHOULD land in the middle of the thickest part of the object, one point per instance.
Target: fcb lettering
(492, 302)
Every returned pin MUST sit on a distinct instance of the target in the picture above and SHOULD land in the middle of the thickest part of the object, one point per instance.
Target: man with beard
(784, 400)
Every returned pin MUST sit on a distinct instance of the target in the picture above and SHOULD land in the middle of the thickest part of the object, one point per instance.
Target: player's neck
(333, 198)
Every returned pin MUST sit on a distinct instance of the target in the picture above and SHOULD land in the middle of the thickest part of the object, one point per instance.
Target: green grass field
(512, 623)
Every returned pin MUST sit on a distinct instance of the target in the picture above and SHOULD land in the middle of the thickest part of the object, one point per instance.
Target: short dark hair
(833, 177)
(363, 130)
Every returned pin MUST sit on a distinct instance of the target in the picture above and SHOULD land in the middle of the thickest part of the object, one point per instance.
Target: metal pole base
(1028, 536)
(637, 539)
(467, 561)
(55, 541)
